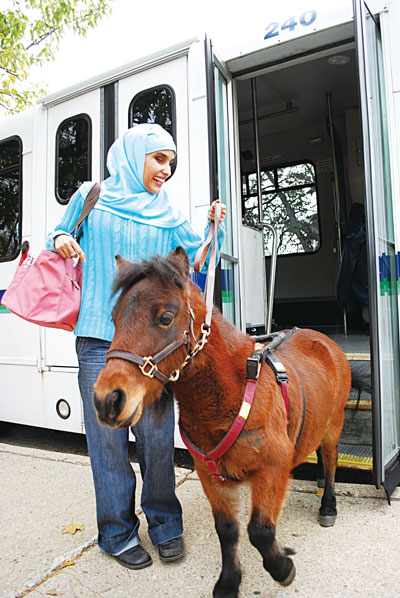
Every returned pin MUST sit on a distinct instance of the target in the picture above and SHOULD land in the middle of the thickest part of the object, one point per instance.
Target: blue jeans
(114, 478)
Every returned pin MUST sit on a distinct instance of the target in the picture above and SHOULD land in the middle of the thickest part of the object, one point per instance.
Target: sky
(132, 32)
(136, 29)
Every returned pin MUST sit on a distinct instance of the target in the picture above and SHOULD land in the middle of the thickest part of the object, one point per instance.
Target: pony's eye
(166, 319)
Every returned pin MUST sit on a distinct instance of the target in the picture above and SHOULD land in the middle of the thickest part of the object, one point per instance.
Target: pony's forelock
(165, 269)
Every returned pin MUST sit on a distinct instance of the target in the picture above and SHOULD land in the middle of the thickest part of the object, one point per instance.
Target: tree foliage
(289, 204)
(72, 156)
(30, 32)
(154, 106)
(10, 185)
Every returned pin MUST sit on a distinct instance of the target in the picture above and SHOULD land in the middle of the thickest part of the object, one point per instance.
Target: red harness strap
(285, 394)
(229, 438)
(253, 368)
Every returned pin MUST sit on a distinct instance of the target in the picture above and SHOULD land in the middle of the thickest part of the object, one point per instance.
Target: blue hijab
(123, 192)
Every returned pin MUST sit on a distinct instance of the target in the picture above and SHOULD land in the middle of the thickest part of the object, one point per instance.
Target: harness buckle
(148, 362)
(277, 367)
(252, 367)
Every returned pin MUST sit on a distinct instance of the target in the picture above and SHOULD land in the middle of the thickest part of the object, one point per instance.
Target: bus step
(362, 402)
(358, 356)
(361, 405)
(350, 456)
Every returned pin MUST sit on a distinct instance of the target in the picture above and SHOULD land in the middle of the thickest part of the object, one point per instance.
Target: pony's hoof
(227, 594)
(290, 577)
(327, 520)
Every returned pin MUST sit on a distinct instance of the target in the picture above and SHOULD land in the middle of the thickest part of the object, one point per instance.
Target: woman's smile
(157, 168)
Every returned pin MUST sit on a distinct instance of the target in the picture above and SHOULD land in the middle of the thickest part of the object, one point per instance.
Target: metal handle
(272, 275)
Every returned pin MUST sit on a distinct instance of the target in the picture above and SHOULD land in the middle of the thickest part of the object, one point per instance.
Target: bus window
(10, 197)
(155, 105)
(289, 203)
(73, 156)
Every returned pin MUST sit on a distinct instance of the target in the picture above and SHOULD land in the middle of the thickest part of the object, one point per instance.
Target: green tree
(289, 204)
(30, 32)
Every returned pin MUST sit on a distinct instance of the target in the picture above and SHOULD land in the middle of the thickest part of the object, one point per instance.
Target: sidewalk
(42, 492)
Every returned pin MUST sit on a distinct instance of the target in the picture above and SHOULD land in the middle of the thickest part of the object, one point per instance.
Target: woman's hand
(67, 247)
(211, 215)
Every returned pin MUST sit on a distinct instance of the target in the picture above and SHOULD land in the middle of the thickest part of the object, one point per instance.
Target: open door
(220, 141)
(384, 317)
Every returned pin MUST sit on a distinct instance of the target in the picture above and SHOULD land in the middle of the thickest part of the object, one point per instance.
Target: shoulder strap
(88, 206)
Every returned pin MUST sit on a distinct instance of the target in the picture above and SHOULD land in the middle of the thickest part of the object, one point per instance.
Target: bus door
(222, 184)
(73, 156)
(384, 317)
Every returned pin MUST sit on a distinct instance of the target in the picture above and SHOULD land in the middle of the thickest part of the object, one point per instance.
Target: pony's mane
(165, 269)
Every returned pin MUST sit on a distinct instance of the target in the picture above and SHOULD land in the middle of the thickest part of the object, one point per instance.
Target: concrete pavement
(42, 492)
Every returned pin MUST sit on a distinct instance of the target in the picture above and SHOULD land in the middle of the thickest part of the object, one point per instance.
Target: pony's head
(151, 314)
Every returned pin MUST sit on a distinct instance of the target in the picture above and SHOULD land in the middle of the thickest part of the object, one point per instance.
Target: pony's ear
(181, 258)
(121, 262)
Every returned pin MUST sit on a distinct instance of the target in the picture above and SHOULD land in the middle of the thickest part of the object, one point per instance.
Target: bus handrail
(272, 275)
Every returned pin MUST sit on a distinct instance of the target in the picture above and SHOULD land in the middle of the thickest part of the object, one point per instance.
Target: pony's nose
(111, 406)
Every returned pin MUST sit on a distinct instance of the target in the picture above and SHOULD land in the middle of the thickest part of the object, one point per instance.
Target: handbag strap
(88, 206)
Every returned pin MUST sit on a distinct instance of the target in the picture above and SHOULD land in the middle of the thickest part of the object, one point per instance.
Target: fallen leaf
(67, 564)
(72, 528)
(319, 493)
(53, 592)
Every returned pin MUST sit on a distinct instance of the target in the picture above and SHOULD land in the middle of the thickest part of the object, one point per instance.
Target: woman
(135, 218)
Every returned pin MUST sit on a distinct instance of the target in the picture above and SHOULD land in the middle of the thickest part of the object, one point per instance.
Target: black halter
(149, 365)
(151, 362)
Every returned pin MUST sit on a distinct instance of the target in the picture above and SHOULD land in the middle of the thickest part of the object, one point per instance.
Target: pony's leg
(268, 491)
(329, 453)
(327, 511)
(224, 501)
(320, 469)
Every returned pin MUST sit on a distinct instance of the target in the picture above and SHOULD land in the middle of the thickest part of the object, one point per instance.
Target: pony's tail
(361, 376)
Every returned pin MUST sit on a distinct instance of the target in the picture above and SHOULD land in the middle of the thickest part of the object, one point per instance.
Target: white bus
(297, 127)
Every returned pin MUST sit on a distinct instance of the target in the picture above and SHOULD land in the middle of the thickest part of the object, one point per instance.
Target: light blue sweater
(104, 235)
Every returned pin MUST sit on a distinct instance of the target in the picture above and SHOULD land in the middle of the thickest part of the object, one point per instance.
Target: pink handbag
(46, 290)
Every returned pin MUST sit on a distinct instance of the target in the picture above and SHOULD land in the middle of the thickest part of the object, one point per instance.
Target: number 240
(307, 18)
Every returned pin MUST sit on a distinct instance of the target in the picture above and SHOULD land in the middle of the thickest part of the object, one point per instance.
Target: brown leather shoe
(134, 558)
(172, 550)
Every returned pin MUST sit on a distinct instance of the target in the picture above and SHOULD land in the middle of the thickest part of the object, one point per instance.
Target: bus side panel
(172, 75)
(62, 385)
(198, 138)
(19, 340)
(59, 346)
(22, 399)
